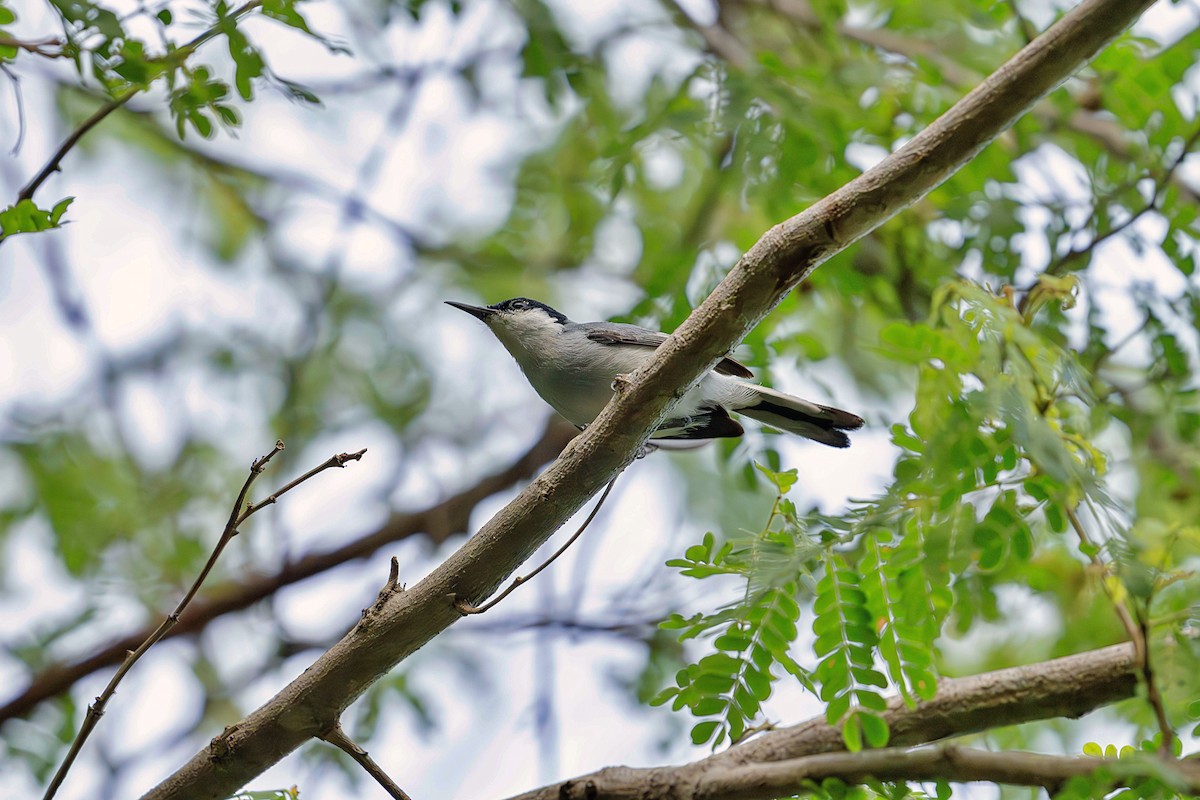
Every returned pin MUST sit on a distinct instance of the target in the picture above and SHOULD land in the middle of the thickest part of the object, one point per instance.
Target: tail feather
(814, 421)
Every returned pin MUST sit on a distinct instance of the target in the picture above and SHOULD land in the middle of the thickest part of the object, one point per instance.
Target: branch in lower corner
(236, 517)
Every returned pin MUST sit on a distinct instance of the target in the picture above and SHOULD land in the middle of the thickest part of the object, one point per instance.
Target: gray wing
(618, 333)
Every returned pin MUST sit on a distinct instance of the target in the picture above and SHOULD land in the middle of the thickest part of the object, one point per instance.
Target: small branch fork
(338, 738)
(240, 513)
(466, 608)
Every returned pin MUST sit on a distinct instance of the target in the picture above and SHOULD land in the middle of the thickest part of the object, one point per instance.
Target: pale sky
(134, 252)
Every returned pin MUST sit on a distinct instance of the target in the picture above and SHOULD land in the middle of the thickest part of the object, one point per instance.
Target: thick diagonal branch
(777, 263)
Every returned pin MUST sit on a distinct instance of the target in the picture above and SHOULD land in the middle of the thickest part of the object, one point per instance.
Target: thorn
(393, 573)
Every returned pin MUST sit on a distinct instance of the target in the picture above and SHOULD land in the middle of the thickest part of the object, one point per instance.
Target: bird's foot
(621, 383)
(645, 450)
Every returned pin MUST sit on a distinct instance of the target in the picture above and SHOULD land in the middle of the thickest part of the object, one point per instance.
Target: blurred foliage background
(261, 234)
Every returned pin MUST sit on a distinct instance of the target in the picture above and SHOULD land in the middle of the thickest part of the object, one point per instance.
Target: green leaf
(875, 730)
(852, 733)
(709, 706)
(759, 683)
(201, 123)
(1055, 517)
(703, 731)
(783, 481)
(285, 11)
(1021, 541)
(734, 640)
(901, 437)
(747, 703)
(869, 677)
(26, 217)
(837, 708)
(248, 62)
(60, 208)
(871, 701)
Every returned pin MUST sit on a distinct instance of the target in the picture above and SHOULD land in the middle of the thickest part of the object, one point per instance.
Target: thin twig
(1028, 34)
(338, 738)
(466, 608)
(236, 517)
(719, 40)
(53, 165)
(334, 461)
(1161, 184)
(1167, 746)
(1138, 634)
(436, 522)
(96, 709)
(19, 101)
(42, 48)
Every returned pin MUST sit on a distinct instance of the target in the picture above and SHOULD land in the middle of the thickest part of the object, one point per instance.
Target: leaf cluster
(997, 462)
(752, 637)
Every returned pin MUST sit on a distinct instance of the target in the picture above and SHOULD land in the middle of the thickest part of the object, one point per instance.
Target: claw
(645, 450)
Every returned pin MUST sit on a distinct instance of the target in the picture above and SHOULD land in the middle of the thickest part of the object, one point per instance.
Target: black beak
(475, 311)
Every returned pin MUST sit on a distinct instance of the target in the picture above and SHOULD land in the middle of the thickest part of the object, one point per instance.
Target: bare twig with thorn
(239, 514)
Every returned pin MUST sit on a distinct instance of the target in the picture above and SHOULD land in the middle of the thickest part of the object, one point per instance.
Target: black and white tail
(804, 418)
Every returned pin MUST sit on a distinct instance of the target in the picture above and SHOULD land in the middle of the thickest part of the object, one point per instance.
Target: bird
(573, 365)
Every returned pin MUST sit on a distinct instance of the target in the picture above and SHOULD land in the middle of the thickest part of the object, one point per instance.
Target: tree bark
(404, 621)
(1064, 687)
(956, 764)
